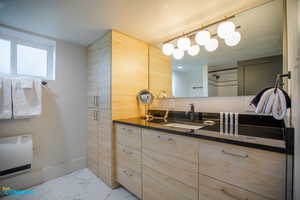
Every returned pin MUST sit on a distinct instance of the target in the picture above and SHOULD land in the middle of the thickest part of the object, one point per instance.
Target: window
(31, 61)
(4, 56)
(23, 54)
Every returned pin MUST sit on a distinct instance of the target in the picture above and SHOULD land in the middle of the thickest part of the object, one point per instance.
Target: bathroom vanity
(155, 161)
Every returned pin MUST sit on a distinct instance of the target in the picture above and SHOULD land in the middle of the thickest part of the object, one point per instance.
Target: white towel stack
(5, 99)
(26, 97)
(272, 103)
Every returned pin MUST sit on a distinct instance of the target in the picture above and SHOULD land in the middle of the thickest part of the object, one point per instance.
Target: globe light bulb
(211, 45)
(184, 43)
(225, 29)
(193, 50)
(178, 53)
(202, 37)
(168, 49)
(233, 39)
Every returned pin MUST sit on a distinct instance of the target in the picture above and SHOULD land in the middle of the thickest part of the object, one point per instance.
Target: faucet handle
(192, 106)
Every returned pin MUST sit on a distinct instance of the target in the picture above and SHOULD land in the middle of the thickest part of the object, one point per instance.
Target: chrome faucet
(191, 112)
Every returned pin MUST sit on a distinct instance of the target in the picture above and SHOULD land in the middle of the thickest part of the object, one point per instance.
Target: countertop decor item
(146, 98)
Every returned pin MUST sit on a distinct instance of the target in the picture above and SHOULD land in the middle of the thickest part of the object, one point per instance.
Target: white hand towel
(5, 99)
(261, 106)
(27, 102)
(269, 105)
(272, 103)
(279, 108)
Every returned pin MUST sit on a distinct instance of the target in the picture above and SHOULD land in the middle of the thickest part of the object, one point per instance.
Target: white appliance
(15, 155)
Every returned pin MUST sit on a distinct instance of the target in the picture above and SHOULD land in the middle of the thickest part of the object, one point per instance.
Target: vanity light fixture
(233, 39)
(226, 30)
(184, 43)
(179, 67)
(168, 49)
(178, 53)
(202, 37)
(194, 50)
(212, 45)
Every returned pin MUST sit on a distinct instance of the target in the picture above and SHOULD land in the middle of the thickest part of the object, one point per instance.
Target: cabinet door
(130, 179)
(129, 136)
(172, 161)
(158, 186)
(212, 189)
(128, 158)
(92, 141)
(255, 170)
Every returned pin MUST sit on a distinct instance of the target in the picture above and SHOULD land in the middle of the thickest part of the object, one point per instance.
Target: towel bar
(44, 83)
(279, 76)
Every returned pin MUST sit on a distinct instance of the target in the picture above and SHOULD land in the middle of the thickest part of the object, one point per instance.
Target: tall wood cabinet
(117, 71)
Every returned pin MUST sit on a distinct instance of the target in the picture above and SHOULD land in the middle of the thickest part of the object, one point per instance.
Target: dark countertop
(253, 136)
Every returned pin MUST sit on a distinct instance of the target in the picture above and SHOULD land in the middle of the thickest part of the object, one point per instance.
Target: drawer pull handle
(234, 154)
(95, 100)
(95, 115)
(232, 196)
(128, 152)
(127, 130)
(125, 172)
(169, 139)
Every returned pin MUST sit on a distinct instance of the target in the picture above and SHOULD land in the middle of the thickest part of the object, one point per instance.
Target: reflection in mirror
(239, 70)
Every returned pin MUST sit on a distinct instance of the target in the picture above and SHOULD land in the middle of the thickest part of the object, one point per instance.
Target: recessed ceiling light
(179, 67)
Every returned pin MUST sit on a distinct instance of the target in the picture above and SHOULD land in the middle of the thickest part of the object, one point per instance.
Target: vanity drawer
(128, 158)
(211, 189)
(255, 170)
(172, 166)
(128, 135)
(185, 148)
(158, 186)
(130, 179)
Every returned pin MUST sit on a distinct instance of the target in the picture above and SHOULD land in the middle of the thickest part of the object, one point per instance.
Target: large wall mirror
(239, 70)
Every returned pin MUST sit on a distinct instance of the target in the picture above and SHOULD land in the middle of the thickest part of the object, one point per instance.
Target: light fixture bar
(201, 28)
(219, 21)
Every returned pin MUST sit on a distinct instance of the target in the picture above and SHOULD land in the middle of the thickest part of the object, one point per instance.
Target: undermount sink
(184, 126)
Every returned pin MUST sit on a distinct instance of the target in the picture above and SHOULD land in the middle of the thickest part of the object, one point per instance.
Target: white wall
(59, 134)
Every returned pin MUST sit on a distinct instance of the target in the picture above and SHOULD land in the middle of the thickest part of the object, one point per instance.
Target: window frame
(20, 38)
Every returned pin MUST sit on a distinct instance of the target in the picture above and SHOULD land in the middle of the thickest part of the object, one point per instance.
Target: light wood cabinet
(129, 136)
(156, 165)
(117, 71)
(171, 160)
(92, 138)
(212, 189)
(128, 158)
(258, 171)
(158, 186)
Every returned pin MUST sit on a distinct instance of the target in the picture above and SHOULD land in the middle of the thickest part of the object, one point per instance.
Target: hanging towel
(5, 98)
(256, 99)
(270, 103)
(27, 102)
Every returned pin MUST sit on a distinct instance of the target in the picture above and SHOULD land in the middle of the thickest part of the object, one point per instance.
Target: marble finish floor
(79, 185)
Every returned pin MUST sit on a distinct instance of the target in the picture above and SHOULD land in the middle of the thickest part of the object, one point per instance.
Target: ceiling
(262, 36)
(83, 21)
